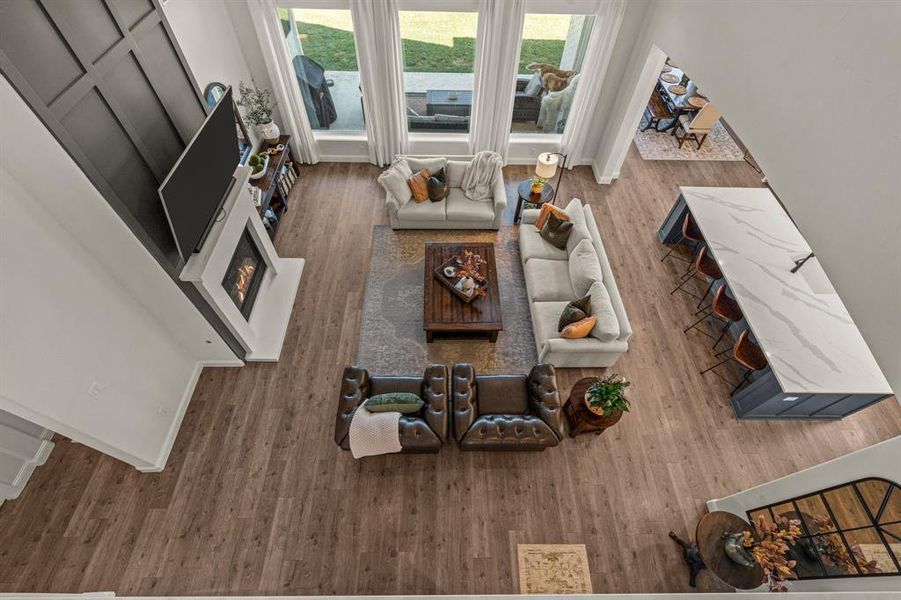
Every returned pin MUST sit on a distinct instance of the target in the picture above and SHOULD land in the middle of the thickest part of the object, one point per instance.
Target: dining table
(676, 104)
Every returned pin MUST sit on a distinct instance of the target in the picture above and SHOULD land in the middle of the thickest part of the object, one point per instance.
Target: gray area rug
(392, 341)
(719, 145)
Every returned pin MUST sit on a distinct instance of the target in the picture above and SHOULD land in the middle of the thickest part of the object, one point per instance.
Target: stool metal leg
(743, 381)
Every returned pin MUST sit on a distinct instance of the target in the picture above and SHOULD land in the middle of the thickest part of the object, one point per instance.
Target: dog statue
(552, 78)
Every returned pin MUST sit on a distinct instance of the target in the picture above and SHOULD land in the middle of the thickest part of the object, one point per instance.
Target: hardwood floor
(257, 499)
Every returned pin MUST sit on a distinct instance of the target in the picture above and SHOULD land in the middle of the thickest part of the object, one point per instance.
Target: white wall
(879, 460)
(23, 447)
(806, 87)
(82, 301)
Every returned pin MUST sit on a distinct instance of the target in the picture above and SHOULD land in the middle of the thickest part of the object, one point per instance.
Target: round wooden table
(579, 417)
(709, 536)
(524, 193)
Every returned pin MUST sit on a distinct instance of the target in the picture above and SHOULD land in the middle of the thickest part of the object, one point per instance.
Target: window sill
(340, 136)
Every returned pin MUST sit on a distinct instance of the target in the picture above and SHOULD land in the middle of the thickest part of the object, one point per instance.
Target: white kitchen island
(820, 365)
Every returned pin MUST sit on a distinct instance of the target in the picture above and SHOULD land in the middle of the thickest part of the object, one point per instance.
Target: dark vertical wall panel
(34, 46)
(170, 81)
(109, 81)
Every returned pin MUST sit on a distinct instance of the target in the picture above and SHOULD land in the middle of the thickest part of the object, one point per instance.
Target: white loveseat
(550, 288)
(456, 211)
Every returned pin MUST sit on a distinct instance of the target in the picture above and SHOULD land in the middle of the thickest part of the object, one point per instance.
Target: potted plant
(607, 399)
(537, 183)
(258, 106)
(771, 550)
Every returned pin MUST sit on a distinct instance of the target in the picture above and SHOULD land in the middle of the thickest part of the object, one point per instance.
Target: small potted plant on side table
(595, 405)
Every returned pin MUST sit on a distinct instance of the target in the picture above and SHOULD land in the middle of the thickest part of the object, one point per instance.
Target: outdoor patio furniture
(525, 106)
(448, 102)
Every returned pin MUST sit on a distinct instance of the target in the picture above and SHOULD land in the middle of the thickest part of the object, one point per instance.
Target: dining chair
(708, 268)
(698, 125)
(747, 354)
(723, 308)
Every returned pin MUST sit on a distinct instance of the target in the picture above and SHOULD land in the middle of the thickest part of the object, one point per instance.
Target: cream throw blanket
(374, 433)
(478, 180)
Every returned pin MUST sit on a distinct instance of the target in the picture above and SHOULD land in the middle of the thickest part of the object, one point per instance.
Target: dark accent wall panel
(111, 84)
(34, 46)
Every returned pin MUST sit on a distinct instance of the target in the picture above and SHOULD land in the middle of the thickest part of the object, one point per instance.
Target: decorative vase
(735, 550)
(602, 420)
(537, 187)
(268, 131)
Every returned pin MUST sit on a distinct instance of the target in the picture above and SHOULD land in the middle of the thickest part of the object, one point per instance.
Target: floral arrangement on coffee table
(770, 551)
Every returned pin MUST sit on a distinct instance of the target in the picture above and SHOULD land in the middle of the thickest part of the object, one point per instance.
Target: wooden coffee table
(443, 312)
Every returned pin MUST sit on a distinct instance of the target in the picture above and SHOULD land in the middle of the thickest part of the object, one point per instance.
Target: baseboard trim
(186, 396)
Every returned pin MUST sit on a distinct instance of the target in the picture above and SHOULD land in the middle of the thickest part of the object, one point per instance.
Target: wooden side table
(524, 194)
(708, 551)
(579, 417)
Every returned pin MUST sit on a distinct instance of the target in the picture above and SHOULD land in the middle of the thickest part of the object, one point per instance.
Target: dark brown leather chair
(506, 412)
(425, 431)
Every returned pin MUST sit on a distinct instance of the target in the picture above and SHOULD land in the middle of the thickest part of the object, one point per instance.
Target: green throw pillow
(575, 311)
(556, 231)
(402, 402)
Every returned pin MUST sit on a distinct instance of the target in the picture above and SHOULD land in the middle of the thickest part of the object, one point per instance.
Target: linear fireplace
(244, 274)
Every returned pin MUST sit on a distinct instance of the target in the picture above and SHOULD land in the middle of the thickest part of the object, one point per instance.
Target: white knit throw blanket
(374, 433)
(478, 180)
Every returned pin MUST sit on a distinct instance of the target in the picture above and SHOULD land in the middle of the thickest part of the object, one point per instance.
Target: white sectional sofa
(455, 212)
(550, 287)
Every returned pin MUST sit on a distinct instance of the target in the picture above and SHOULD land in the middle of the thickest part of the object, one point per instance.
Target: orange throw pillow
(546, 211)
(419, 185)
(579, 329)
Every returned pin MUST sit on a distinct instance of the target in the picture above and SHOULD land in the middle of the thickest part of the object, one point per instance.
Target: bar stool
(690, 232)
(747, 354)
(723, 308)
(706, 266)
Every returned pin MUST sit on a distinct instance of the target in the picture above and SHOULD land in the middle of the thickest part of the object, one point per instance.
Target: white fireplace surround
(263, 334)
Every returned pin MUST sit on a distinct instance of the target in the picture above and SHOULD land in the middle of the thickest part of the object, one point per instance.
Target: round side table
(524, 193)
(709, 536)
(579, 417)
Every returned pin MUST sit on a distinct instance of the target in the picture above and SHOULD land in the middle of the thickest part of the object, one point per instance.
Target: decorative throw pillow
(438, 188)
(607, 327)
(432, 164)
(546, 211)
(402, 402)
(584, 267)
(579, 329)
(533, 88)
(575, 211)
(575, 311)
(395, 183)
(419, 185)
(556, 231)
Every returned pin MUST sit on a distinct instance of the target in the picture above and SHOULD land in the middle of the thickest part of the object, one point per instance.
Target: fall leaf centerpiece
(469, 273)
(771, 550)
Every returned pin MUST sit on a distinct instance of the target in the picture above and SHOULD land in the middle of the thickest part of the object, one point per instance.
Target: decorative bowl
(262, 172)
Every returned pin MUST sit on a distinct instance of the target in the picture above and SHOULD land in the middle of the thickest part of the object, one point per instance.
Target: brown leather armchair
(425, 431)
(506, 412)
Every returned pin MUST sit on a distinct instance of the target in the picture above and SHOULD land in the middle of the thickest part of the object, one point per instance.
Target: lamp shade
(547, 165)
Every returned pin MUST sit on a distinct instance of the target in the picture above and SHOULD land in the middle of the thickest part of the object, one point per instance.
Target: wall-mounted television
(196, 187)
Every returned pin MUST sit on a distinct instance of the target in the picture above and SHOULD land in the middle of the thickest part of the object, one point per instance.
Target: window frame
(872, 524)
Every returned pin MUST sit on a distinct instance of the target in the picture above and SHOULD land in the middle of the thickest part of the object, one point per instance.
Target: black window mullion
(840, 533)
(875, 522)
(809, 537)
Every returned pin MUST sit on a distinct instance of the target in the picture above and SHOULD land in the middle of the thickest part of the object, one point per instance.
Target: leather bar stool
(723, 308)
(747, 354)
(690, 232)
(706, 266)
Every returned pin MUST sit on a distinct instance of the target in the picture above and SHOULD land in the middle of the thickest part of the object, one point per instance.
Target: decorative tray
(448, 274)
(669, 78)
(678, 90)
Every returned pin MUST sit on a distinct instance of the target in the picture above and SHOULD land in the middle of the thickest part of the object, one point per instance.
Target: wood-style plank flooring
(256, 498)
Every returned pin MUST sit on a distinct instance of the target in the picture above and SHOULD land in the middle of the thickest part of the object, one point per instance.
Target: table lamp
(546, 168)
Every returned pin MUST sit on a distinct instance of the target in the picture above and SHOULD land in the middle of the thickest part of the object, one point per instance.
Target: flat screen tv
(196, 187)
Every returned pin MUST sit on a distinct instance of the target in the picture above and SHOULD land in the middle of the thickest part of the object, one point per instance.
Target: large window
(439, 54)
(550, 59)
(324, 54)
(852, 530)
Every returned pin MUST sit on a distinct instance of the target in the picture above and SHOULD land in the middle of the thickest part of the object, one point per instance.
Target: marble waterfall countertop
(798, 319)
